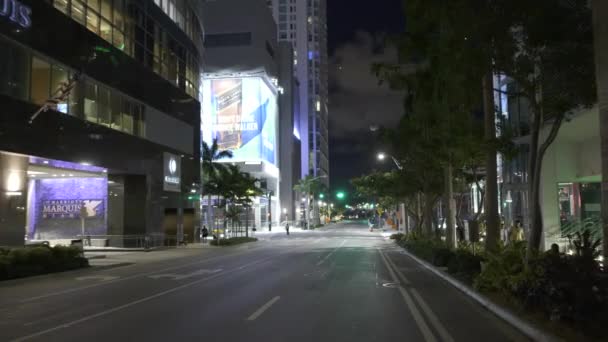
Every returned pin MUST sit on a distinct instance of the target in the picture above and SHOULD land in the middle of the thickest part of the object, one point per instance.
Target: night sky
(357, 30)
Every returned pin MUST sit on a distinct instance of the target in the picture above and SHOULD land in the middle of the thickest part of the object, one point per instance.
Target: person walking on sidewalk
(205, 233)
(287, 228)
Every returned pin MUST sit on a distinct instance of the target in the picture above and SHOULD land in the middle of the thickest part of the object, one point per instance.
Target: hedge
(233, 241)
(29, 261)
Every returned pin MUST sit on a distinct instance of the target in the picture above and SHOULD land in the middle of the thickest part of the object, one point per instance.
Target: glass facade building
(128, 25)
(100, 112)
(303, 23)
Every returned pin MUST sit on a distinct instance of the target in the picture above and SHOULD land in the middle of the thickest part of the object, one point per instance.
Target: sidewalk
(117, 258)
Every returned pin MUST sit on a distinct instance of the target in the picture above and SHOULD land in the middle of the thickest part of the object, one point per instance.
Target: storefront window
(40, 81)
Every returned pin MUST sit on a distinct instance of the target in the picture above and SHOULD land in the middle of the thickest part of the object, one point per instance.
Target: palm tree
(210, 169)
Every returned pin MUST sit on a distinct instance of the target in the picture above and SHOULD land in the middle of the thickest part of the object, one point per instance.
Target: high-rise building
(304, 24)
(247, 98)
(100, 121)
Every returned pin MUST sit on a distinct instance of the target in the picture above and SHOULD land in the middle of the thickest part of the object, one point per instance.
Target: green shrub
(33, 260)
(397, 236)
(465, 264)
(233, 241)
(502, 269)
(442, 256)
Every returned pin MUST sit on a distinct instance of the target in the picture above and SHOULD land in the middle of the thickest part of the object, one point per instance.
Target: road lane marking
(264, 307)
(130, 304)
(424, 328)
(185, 276)
(144, 274)
(330, 253)
(435, 322)
(97, 277)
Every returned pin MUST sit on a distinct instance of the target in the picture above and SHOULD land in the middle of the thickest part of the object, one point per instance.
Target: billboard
(241, 113)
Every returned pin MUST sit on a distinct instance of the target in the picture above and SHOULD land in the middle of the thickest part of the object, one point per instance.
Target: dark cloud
(358, 101)
(357, 98)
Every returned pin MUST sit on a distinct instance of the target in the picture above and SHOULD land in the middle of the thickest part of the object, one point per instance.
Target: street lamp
(382, 156)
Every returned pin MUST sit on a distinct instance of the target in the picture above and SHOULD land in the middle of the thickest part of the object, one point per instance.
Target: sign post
(83, 215)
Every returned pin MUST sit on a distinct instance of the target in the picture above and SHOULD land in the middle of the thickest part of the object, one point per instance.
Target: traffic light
(340, 195)
(321, 196)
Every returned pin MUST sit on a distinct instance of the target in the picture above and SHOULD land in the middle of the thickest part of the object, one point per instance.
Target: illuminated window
(40, 81)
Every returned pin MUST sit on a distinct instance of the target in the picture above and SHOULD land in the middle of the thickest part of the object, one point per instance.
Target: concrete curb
(521, 325)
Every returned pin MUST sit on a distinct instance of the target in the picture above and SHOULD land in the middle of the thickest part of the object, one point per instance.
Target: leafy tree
(551, 65)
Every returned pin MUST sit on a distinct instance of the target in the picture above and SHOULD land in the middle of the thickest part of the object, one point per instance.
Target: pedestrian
(517, 232)
(287, 228)
(205, 233)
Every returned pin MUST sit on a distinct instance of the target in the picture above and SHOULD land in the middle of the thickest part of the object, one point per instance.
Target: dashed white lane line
(263, 308)
(330, 253)
(130, 304)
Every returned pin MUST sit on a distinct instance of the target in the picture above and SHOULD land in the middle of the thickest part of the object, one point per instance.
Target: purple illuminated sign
(71, 208)
(55, 207)
(16, 12)
(65, 165)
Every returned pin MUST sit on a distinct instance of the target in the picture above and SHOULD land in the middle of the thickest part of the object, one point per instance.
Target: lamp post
(381, 156)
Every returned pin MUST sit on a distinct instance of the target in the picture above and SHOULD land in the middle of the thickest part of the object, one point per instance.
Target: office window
(62, 5)
(94, 5)
(78, 9)
(116, 112)
(127, 117)
(140, 123)
(106, 9)
(90, 102)
(105, 30)
(104, 107)
(40, 81)
(93, 21)
(59, 76)
(14, 70)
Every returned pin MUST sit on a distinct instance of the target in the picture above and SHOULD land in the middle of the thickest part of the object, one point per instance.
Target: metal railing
(132, 241)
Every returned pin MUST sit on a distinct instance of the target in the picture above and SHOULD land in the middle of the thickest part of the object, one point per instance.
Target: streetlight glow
(381, 156)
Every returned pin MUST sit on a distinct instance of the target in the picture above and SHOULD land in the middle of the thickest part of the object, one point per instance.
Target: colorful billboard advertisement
(241, 113)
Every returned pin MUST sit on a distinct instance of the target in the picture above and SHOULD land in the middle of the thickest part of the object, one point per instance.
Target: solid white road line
(330, 253)
(435, 322)
(130, 304)
(264, 307)
(424, 328)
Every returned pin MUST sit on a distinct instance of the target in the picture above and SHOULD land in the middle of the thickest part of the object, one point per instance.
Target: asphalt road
(339, 284)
